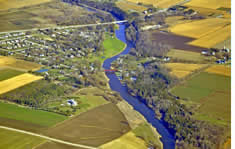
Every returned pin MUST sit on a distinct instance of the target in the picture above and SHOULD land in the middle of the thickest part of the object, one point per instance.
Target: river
(167, 139)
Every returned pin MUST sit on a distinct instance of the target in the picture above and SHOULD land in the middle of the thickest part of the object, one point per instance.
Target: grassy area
(212, 4)
(112, 46)
(42, 118)
(209, 95)
(145, 132)
(129, 6)
(13, 140)
(8, 73)
(160, 3)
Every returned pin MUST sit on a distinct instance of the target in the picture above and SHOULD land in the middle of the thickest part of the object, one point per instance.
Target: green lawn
(15, 140)
(209, 95)
(112, 46)
(8, 73)
(42, 118)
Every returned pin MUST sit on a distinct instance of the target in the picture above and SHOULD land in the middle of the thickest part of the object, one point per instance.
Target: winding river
(167, 139)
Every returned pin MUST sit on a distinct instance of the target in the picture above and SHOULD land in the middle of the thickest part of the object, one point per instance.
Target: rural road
(65, 27)
(48, 138)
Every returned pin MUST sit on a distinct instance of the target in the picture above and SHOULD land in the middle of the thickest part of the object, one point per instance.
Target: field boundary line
(48, 138)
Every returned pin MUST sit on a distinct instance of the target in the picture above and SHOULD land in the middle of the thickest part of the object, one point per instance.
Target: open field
(187, 56)
(52, 145)
(174, 20)
(160, 3)
(212, 4)
(15, 140)
(8, 73)
(8, 4)
(175, 41)
(181, 70)
(18, 81)
(10, 62)
(38, 117)
(95, 127)
(129, 6)
(127, 141)
(209, 95)
(219, 69)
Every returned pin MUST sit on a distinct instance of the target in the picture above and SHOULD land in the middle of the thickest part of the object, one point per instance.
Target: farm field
(188, 56)
(8, 4)
(37, 117)
(21, 65)
(175, 41)
(127, 141)
(94, 127)
(13, 140)
(52, 145)
(8, 73)
(129, 6)
(209, 95)
(219, 69)
(181, 70)
(160, 3)
(18, 81)
(212, 4)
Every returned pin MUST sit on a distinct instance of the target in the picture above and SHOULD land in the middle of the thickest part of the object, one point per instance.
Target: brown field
(174, 20)
(127, 141)
(8, 4)
(219, 69)
(175, 41)
(128, 6)
(95, 127)
(181, 70)
(16, 82)
(226, 43)
(21, 65)
(158, 3)
(212, 4)
(52, 145)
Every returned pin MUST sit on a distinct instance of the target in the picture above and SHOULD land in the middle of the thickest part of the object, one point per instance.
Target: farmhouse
(71, 102)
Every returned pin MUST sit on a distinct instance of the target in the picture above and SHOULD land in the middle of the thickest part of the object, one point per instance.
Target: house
(166, 59)
(71, 102)
(204, 52)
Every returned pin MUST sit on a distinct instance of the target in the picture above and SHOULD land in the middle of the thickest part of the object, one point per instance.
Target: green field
(15, 140)
(209, 95)
(8, 73)
(112, 46)
(42, 118)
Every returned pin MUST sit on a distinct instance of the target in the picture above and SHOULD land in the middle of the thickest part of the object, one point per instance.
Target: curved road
(48, 138)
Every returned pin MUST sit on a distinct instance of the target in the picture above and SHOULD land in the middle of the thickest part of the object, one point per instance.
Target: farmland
(181, 70)
(129, 6)
(219, 69)
(52, 145)
(16, 82)
(212, 4)
(94, 127)
(13, 140)
(21, 65)
(8, 73)
(209, 95)
(160, 3)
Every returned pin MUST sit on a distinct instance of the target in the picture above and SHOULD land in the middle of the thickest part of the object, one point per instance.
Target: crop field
(94, 127)
(187, 56)
(181, 70)
(129, 6)
(160, 3)
(52, 145)
(10, 62)
(127, 141)
(27, 115)
(174, 20)
(213, 4)
(13, 140)
(8, 4)
(209, 95)
(8, 73)
(219, 69)
(175, 41)
(18, 81)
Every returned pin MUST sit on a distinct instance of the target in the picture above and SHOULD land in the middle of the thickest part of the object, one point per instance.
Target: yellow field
(16, 82)
(18, 64)
(8, 4)
(213, 38)
(213, 4)
(127, 141)
(181, 70)
(126, 6)
(158, 3)
(219, 69)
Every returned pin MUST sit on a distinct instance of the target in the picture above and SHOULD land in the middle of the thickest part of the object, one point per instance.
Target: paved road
(65, 27)
(48, 138)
